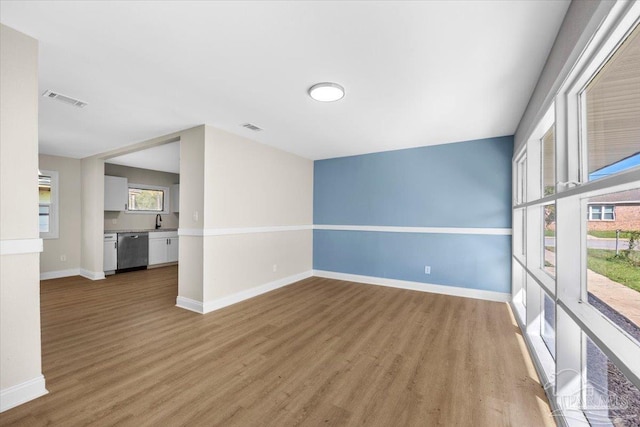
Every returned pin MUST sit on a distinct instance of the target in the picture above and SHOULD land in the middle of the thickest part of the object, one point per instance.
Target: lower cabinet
(163, 247)
(110, 259)
(157, 250)
(172, 252)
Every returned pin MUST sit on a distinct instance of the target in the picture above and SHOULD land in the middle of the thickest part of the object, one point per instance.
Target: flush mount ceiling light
(326, 92)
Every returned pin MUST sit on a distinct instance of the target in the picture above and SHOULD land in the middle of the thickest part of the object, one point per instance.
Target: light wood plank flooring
(318, 352)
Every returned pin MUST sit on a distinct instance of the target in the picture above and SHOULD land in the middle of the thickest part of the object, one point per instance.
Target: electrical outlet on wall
(114, 221)
(63, 257)
(275, 267)
(427, 269)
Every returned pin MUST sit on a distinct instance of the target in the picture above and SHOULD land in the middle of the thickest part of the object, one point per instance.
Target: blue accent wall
(470, 261)
(465, 184)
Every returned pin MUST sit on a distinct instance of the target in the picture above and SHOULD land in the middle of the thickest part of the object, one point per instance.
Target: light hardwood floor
(318, 352)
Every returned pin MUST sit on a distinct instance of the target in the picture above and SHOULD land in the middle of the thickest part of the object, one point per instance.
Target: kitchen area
(141, 210)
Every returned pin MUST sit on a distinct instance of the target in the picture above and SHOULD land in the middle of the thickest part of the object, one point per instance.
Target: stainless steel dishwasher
(133, 251)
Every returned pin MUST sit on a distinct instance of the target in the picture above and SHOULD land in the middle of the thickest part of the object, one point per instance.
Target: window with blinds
(612, 112)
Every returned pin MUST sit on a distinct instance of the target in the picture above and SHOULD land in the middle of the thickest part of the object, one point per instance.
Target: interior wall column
(21, 376)
(92, 218)
(191, 221)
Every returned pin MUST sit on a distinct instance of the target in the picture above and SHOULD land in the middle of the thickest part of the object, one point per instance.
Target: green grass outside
(551, 233)
(619, 269)
(609, 234)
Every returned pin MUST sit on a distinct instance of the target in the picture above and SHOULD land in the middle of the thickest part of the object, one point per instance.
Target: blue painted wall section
(470, 261)
(465, 185)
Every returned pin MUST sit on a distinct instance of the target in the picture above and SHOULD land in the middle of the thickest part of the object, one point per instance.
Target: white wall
(253, 185)
(20, 355)
(230, 182)
(135, 221)
(250, 185)
(67, 244)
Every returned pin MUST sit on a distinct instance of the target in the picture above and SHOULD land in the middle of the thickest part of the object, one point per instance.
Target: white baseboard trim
(20, 246)
(209, 306)
(189, 304)
(416, 286)
(93, 275)
(217, 304)
(22, 393)
(59, 273)
(164, 264)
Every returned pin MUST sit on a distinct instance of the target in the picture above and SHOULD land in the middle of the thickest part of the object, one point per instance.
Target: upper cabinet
(175, 198)
(116, 193)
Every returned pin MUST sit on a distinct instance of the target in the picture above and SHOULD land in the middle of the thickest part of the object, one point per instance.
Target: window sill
(147, 212)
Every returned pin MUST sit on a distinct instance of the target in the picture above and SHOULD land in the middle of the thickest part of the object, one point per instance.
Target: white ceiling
(165, 158)
(415, 73)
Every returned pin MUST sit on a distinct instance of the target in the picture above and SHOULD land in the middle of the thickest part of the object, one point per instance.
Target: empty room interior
(378, 213)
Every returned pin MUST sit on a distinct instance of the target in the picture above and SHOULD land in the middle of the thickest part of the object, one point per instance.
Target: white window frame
(614, 342)
(536, 200)
(54, 210)
(564, 378)
(549, 117)
(166, 201)
(518, 283)
(519, 179)
(618, 25)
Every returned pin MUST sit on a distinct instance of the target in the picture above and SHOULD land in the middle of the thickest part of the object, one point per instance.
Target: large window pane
(521, 180)
(524, 287)
(549, 162)
(609, 397)
(612, 101)
(613, 258)
(548, 328)
(549, 239)
(141, 199)
(519, 232)
(523, 233)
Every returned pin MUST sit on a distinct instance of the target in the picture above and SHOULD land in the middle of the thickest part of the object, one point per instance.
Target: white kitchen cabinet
(157, 250)
(116, 193)
(110, 257)
(163, 247)
(175, 198)
(172, 250)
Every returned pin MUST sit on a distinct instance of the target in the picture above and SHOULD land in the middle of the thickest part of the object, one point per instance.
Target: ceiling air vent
(251, 127)
(64, 98)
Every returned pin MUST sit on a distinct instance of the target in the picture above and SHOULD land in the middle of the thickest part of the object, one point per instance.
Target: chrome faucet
(158, 221)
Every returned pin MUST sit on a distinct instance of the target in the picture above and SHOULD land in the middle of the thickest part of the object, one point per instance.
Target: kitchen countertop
(148, 230)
